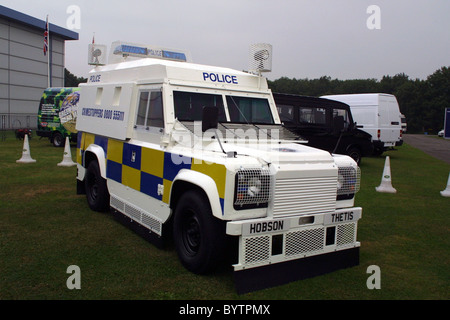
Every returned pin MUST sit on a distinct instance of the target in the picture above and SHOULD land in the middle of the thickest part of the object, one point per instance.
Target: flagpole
(49, 81)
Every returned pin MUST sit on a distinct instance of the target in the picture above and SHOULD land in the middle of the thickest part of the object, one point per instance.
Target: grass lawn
(45, 227)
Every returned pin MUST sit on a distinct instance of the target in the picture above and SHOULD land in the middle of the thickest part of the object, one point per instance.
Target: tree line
(423, 102)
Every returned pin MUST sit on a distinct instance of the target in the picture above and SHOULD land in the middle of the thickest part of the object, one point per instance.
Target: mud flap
(276, 274)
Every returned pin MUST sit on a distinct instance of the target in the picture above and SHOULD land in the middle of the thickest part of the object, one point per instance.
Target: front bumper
(277, 251)
(268, 241)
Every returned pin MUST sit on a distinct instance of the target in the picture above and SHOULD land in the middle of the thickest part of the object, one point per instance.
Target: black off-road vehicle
(326, 124)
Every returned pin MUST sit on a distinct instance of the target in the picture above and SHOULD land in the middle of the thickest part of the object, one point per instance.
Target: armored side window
(142, 109)
(150, 110)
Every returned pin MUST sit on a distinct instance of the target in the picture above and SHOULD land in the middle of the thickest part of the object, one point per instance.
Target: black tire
(199, 237)
(57, 140)
(377, 151)
(96, 190)
(355, 154)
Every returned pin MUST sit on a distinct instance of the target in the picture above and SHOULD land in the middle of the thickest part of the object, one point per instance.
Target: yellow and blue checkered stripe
(143, 169)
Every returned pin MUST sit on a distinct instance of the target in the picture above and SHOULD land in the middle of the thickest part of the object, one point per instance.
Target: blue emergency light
(148, 52)
(174, 55)
(124, 49)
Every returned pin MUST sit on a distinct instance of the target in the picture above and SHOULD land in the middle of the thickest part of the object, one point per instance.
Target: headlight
(252, 189)
(348, 182)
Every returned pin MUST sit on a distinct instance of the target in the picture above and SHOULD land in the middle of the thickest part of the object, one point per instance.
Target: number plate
(260, 227)
(342, 216)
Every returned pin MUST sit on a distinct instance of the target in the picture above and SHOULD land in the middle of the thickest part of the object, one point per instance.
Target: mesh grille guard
(253, 187)
(348, 180)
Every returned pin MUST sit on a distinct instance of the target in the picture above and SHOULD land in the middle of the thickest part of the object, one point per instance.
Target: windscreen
(249, 110)
(189, 105)
(246, 115)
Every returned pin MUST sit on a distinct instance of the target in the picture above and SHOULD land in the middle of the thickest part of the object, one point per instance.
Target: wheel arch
(188, 179)
(95, 152)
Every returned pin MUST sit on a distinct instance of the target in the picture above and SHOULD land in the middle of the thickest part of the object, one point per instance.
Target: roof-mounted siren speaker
(97, 54)
(260, 58)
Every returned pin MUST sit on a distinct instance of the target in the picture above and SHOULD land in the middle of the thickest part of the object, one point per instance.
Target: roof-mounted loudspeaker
(260, 58)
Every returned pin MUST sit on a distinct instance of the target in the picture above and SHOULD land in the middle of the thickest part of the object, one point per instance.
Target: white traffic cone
(26, 155)
(67, 159)
(386, 185)
(446, 192)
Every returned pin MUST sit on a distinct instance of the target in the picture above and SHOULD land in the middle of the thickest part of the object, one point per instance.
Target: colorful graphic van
(57, 115)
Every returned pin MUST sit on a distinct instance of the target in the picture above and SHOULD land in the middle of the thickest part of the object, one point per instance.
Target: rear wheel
(96, 190)
(199, 237)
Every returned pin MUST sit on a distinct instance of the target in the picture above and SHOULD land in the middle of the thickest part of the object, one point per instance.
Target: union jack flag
(46, 37)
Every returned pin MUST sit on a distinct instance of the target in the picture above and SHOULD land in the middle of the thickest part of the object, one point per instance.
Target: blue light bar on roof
(174, 55)
(124, 49)
(148, 52)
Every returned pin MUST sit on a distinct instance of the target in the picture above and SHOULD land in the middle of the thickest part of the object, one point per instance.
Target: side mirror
(210, 118)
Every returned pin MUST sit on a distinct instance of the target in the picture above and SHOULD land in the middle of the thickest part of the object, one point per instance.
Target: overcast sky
(310, 38)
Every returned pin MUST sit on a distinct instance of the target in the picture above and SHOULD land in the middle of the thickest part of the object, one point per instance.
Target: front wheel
(355, 154)
(96, 189)
(57, 140)
(199, 237)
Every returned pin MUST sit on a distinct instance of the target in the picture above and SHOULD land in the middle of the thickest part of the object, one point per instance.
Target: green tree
(71, 80)
(438, 98)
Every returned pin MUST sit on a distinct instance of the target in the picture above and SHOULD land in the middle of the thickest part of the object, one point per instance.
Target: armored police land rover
(201, 150)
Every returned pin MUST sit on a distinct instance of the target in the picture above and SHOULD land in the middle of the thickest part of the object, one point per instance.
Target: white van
(404, 124)
(378, 114)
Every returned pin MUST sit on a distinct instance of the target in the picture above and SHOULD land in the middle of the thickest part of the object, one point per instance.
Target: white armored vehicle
(200, 151)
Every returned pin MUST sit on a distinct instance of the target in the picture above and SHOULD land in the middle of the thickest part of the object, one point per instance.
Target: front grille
(304, 196)
(305, 241)
(346, 234)
(257, 249)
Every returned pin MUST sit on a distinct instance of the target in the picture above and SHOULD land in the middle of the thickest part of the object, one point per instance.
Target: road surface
(432, 145)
